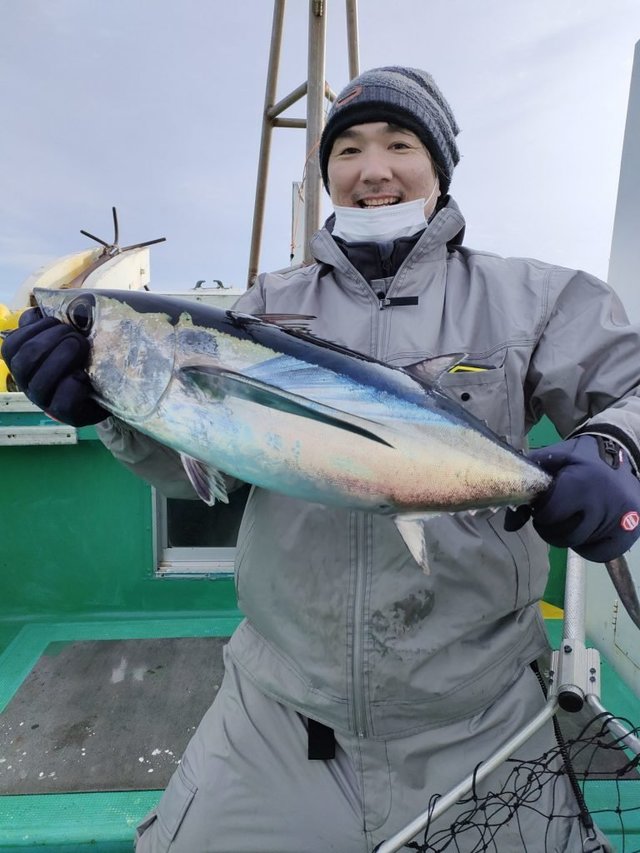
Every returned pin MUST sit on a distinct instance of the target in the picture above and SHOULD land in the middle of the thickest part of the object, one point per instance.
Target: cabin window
(195, 539)
(192, 539)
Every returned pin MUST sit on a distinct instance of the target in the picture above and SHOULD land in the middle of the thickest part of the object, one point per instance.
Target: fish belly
(320, 462)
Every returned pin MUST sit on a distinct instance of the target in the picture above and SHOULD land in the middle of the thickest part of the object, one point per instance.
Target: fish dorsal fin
(429, 370)
(291, 322)
(288, 322)
(207, 481)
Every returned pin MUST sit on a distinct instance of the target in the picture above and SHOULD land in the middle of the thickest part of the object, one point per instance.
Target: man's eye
(348, 150)
(399, 145)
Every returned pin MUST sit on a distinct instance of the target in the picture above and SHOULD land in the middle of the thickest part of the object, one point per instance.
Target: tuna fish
(265, 401)
(270, 404)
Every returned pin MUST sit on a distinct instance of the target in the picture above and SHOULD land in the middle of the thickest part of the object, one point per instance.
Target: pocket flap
(175, 803)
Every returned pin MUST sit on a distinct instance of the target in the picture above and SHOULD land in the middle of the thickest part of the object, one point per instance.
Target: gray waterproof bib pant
(245, 784)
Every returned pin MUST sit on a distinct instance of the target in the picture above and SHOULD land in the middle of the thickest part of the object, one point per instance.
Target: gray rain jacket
(340, 623)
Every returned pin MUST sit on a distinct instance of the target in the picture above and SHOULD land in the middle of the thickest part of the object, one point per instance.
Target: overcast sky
(154, 106)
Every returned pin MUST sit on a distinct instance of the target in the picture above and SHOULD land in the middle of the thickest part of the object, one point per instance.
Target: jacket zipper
(360, 592)
(362, 522)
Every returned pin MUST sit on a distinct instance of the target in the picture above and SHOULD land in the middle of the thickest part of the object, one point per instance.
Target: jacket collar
(446, 229)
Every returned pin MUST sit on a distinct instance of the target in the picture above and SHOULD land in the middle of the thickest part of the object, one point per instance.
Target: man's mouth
(379, 201)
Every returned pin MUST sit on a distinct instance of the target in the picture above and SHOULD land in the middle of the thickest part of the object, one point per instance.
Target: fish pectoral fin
(428, 371)
(411, 528)
(221, 383)
(207, 481)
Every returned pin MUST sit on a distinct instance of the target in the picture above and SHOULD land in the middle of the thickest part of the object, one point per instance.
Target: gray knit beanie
(407, 97)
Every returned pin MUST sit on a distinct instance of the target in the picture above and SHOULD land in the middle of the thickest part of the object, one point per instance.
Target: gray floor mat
(107, 715)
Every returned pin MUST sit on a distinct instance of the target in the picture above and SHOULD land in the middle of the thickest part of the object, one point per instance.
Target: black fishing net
(477, 825)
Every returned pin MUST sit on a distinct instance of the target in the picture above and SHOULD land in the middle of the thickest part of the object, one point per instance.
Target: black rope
(585, 816)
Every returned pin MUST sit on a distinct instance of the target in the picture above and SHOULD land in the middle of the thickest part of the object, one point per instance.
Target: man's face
(378, 164)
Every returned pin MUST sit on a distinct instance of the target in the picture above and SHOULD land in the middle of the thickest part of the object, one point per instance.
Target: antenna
(316, 90)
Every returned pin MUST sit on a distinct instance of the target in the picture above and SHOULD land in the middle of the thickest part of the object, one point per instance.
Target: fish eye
(81, 313)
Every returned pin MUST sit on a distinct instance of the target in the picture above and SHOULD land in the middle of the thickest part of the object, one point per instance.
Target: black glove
(593, 504)
(46, 359)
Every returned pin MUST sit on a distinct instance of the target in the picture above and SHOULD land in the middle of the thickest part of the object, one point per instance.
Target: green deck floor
(105, 822)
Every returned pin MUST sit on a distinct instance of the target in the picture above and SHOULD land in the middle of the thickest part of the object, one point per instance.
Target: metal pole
(352, 38)
(575, 669)
(579, 675)
(392, 845)
(574, 598)
(315, 120)
(290, 99)
(617, 729)
(290, 122)
(265, 139)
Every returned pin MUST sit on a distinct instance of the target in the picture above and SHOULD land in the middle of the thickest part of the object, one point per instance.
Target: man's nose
(375, 167)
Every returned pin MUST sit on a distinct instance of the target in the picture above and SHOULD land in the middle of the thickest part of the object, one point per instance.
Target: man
(358, 688)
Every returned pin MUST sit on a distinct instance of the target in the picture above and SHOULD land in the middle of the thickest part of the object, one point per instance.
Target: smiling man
(358, 689)
(381, 165)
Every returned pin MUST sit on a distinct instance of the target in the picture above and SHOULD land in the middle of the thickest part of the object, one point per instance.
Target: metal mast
(316, 90)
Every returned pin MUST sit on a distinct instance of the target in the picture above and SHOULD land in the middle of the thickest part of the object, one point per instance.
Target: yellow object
(467, 368)
(8, 320)
(4, 376)
(550, 611)
(5, 315)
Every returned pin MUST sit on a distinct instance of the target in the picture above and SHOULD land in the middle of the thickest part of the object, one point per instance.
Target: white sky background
(154, 106)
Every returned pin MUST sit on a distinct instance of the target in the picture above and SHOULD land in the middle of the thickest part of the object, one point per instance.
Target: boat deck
(96, 714)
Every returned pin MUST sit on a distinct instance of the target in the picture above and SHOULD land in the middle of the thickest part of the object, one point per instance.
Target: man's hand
(46, 359)
(593, 504)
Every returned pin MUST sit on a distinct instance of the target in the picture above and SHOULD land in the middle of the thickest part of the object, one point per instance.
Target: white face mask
(381, 224)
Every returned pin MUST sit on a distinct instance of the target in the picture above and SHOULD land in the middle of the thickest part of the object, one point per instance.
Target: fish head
(131, 348)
